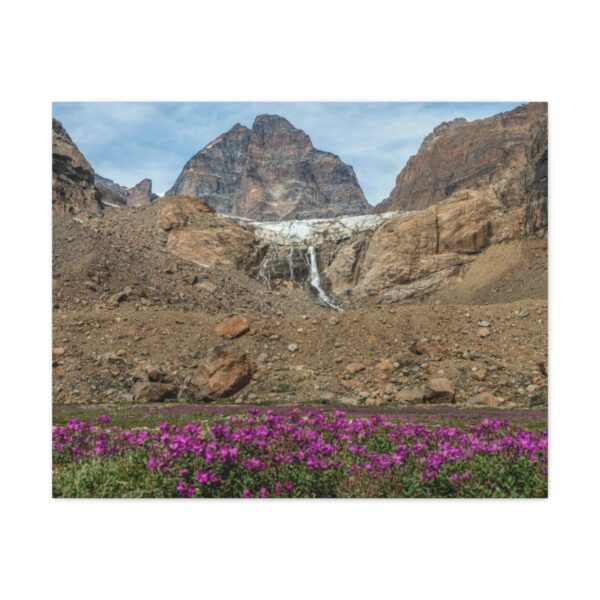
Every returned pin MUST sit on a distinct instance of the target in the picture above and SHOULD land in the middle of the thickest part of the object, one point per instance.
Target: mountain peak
(271, 120)
(272, 173)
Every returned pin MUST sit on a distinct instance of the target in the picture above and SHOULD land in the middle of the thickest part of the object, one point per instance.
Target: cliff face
(399, 258)
(139, 195)
(271, 172)
(73, 187)
(505, 154)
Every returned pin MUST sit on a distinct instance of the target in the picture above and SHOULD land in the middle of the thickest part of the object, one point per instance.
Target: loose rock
(221, 374)
(439, 390)
(232, 327)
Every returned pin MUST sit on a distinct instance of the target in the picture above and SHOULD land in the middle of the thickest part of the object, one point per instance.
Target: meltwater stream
(315, 281)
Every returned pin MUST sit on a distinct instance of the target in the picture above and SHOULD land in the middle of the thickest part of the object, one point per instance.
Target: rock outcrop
(139, 195)
(505, 154)
(271, 172)
(195, 234)
(73, 187)
(413, 254)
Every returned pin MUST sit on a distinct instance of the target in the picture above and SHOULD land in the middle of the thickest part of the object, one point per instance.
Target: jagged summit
(112, 193)
(271, 172)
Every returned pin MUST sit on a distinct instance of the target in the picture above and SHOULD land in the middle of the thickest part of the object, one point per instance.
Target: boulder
(386, 365)
(221, 374)
(410, 395)
(485, 399)
(151, 373)
(232, 327)
(439, 390)
(110, 358)
(348, 401)
(428, 347)
(145, 391)
(354, 368)
(479, 374)
(207, 286)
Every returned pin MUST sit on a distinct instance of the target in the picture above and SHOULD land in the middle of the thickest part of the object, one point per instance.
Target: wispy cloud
(127, 141)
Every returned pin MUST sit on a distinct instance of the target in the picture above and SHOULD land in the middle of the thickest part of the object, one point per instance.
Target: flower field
(302, 454)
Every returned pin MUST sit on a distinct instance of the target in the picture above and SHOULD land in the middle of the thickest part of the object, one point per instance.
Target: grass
(149, 416)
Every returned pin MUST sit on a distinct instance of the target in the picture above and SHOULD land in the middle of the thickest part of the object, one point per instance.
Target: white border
(514, 50)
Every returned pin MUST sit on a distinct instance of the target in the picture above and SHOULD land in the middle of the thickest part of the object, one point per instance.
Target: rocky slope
(379, 356)
(73, 187)
(271, 172)
(505, 154)
(139, 195)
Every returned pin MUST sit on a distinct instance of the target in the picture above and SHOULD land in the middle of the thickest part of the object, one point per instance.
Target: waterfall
(263, 271)
(315, 280)
(290, 260)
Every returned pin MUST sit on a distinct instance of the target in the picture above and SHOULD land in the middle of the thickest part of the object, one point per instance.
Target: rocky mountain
(174, 301)
(139, 195)
(73, 187)
(505, 154)
(271, 172)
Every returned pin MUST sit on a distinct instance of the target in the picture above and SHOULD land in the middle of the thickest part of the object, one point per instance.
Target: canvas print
(299, 300)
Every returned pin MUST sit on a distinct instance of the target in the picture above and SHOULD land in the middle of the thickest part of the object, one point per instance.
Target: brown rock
(141, 193)
(439, 390)
(354, 368)
(207, 286)
(197, 235)
(348, 401)
(180, 211)
(232, 327)
(150, 372)
(144, 391)
(430, 348)
(479, 374)
(221, 374)
(410, 395)
(386, 365)
(485, 399)
(58, 352)
(110, 358)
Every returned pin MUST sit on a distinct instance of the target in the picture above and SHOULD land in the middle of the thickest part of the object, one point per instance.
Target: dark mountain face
(73, 187)
(271, 172)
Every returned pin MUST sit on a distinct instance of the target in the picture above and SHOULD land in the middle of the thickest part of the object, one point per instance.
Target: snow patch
(312, 232)
(110, 204)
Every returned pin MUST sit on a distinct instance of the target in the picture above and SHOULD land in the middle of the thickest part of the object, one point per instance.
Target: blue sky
(127, 141)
